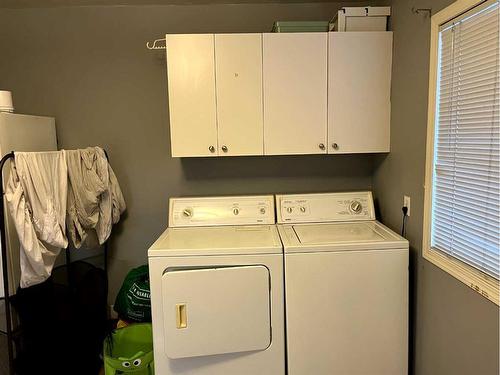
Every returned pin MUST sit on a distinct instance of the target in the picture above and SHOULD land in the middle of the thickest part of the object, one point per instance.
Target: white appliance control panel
(210, 211)
(325, 207)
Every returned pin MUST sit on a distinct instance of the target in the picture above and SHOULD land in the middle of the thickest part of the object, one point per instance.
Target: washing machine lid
(223, 240)
(365, 235)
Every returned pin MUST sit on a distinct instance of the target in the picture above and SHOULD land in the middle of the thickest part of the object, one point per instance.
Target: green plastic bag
(129, 350)
(133, 302)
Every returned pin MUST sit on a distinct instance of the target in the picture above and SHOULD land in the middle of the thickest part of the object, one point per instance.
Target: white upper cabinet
(359, 88)
(191, 94)
(238, 61)
(295, 93)
(279, 93)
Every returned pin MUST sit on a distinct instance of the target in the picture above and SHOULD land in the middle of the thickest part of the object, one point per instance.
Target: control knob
(356, 207)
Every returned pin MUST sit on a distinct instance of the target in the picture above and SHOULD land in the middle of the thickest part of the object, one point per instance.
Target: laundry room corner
(267, 187)
(89, 68)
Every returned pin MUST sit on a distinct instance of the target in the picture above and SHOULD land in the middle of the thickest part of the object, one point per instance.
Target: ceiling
(59, 3)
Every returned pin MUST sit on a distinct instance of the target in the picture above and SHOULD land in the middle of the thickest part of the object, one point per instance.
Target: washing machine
(346, 286)
(217, 293)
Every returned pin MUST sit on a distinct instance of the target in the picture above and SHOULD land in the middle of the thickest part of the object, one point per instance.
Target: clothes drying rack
(3, 235)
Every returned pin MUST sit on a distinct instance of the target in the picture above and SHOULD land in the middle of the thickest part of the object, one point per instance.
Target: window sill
(484, 285)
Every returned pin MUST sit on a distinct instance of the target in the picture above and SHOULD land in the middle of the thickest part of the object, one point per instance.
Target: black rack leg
(3, 243)
(68, 270)
(106, 258)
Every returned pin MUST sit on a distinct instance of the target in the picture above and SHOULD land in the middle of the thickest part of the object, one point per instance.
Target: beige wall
(455, 330)
(89, 68)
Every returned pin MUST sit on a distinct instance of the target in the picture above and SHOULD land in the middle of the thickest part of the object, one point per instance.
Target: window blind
(466, 174)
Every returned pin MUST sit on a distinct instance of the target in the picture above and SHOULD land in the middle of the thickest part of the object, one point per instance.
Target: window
(462, 198)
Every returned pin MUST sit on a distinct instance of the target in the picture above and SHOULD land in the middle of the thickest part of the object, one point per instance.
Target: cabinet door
(359, 87)
(191, 95)
(295, 93)
(238, 61)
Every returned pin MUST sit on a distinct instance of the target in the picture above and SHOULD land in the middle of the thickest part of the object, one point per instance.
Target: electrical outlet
(407, 203)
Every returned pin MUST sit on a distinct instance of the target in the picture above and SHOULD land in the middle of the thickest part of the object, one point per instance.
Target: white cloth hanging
(48, 191)
(36, 195)
(95, 200)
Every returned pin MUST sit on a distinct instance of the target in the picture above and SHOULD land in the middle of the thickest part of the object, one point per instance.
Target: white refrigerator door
(216, 311)
(22, 133)
(347, 312)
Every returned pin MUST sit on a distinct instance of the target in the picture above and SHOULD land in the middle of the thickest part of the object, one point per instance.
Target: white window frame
(484, 284)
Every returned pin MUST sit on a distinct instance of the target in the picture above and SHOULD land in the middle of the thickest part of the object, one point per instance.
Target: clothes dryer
(217, 292)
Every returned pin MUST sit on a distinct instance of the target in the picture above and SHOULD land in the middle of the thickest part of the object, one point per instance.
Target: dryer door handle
(181, 315)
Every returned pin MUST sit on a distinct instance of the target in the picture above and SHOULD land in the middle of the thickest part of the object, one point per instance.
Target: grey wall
(89, 68)
(455, 330)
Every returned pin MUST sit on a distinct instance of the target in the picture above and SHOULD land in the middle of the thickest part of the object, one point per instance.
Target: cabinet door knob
(224, 148)
(211, 149)
(335, 146)
(321, 146)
